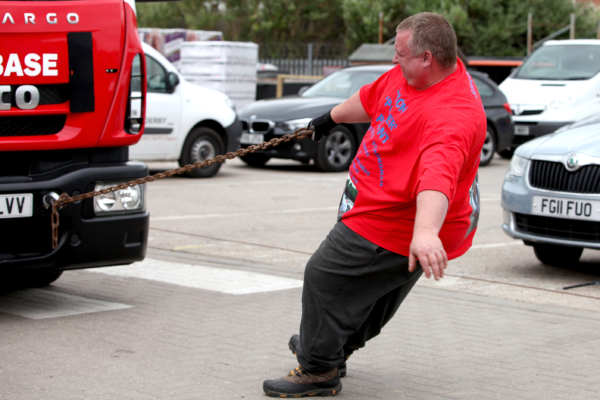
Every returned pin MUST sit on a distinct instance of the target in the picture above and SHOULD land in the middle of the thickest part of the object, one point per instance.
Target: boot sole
(341, 368)
(316, 392)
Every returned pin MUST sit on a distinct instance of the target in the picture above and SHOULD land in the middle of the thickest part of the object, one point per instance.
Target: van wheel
(202, 144)
(336, 151)
(558, 256)
(489, 148)
(255, 159)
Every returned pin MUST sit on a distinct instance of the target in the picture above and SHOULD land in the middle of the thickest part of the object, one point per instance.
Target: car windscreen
(342, 84)
(561, 63)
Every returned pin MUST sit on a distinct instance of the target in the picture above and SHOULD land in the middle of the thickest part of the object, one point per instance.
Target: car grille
(554, 176)
(257, 126)
(38, 125)
(529, 112)
(558, 228)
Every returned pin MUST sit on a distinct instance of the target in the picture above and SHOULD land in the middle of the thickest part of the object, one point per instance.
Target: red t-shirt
(418, 140)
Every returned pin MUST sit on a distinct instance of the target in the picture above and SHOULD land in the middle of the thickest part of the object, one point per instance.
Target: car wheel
(255, 160)
(202, 144)
(558, 256)
(507, 153)
(336, 151)
(489, 147)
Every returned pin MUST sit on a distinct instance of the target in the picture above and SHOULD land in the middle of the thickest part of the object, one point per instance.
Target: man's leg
(380, 315)
(343, 282)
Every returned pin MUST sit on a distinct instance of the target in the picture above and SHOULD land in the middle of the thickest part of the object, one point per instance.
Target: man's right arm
(350, 111)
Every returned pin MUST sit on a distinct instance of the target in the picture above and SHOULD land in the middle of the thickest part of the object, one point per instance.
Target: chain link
(65, 199)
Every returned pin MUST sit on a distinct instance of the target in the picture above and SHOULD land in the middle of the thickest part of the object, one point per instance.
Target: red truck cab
(72, 93)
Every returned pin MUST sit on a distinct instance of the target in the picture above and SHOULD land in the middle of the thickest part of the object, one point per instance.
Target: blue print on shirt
(379, 133)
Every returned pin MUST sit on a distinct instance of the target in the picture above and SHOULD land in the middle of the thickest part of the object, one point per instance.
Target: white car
(184, 122)
(559, 83)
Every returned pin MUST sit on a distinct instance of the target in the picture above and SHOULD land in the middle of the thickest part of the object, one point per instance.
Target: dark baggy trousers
(352, 288)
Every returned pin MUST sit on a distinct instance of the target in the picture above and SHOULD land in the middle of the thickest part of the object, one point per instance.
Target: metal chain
(65, 199)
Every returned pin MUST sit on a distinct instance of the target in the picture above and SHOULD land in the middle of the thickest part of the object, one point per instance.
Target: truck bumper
(85, 240)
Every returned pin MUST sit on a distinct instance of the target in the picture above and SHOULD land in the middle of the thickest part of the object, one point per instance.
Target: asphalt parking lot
(208, 314)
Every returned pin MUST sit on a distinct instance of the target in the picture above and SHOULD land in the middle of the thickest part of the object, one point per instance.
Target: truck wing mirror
(173, 80)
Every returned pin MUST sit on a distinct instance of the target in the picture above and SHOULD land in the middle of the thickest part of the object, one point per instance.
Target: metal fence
(304, 58)
(303, 66)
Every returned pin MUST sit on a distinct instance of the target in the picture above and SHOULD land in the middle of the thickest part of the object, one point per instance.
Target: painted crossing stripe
(41, 304)
(230, 215)
(222, 280)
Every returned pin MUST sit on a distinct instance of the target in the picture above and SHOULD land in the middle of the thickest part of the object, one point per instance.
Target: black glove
(322, 126)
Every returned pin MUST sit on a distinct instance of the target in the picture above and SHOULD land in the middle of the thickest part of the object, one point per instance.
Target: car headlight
(294, 124)
(563, 102)
(120, 201)
(517, 167)
(230, 103)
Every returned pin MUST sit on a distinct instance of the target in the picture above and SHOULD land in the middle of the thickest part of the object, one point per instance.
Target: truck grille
(37, 125)
(49, 94)
(53, 94)
(558, 228)
(554, 176)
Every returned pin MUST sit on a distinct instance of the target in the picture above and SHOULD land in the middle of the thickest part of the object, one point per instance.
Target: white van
(184, 122)
(557, 84)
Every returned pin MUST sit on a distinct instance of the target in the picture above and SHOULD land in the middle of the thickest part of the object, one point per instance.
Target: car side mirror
(303, 89)
(173, 80)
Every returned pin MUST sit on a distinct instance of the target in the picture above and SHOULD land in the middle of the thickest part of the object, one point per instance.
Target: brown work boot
(293, 344)
(301, 383)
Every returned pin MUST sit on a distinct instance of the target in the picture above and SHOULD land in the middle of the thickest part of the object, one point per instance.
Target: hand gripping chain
(65, 199)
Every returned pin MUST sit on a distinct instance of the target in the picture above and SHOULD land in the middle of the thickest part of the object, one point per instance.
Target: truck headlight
(294, 124)
(563, 102)
(230, 103)
(120, 201)
(517, 167)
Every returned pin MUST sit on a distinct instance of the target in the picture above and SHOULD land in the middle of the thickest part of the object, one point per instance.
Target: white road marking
(40, 304)
(488, 246)
(490, 198)
(292, 211)
(222, 280)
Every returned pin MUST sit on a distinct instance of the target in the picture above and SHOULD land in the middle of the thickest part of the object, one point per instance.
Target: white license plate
(566, 208)
(521, 130)
(252, 138)
(16, 205)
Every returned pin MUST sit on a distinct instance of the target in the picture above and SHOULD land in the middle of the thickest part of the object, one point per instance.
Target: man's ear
(427, 59)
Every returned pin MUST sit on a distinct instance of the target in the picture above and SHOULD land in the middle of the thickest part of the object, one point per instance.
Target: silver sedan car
(551, 193)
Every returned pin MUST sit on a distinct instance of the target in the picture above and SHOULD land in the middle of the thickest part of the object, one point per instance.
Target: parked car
(559, 83)
(551, 193)
(266, 119)
(184, 122)
(500, 127)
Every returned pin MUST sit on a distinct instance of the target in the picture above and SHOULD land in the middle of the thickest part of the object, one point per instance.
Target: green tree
(483, 27)
(499, 27)
(361, 20)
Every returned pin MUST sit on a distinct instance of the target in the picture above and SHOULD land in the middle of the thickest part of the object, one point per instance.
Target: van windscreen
(561, 63)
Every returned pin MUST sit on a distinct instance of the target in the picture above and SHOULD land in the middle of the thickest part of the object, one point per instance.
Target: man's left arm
(426, 245)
